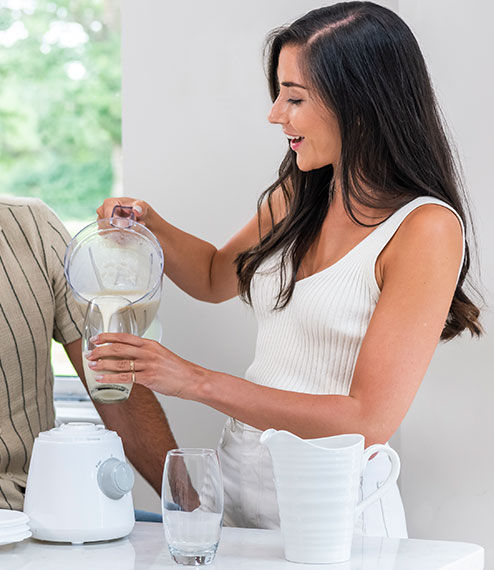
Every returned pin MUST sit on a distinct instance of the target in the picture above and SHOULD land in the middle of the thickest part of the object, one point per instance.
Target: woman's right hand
(142, 210)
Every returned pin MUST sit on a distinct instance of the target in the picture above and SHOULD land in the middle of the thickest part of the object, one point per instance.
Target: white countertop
(240, 549)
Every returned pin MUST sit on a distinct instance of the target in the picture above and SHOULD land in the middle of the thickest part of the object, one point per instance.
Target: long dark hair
(366, 66)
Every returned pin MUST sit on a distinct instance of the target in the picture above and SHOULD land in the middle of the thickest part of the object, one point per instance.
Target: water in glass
(192, 501)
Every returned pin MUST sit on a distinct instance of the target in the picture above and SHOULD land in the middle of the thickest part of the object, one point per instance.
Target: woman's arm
(196, 266)
(419, 273)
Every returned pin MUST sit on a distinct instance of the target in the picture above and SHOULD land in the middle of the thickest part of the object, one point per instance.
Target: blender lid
(77, 432)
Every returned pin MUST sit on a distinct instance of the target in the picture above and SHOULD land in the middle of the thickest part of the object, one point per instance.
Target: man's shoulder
(20, 204)
(14, 209)
(17, 201)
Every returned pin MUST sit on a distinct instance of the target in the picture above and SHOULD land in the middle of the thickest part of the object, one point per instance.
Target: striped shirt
(35, 306)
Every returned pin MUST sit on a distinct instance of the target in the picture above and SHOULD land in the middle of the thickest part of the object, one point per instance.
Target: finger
(114, 350)
(120, 338)
(136, 205)
(105, 210)
(122, 378)
(138, 209)
(120, 365)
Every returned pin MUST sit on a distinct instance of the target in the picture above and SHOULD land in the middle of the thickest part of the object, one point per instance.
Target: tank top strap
(380, 237)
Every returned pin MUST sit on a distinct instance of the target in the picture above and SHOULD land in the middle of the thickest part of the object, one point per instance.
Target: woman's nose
(275, 115)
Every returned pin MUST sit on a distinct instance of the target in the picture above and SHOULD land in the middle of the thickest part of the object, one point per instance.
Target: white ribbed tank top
(312, 344)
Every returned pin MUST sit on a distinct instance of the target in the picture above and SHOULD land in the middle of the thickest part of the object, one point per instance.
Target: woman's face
(311, 128)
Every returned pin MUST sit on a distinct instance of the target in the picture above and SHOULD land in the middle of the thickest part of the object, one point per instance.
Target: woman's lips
(296, 142)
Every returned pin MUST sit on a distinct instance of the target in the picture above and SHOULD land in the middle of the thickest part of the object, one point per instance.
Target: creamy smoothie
(113, 316)
(144, 310)
(105, 393)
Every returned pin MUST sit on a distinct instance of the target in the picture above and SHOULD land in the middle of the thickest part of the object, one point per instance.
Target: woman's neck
(365, 214)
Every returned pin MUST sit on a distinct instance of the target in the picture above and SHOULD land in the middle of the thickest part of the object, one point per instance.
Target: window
(60, 117)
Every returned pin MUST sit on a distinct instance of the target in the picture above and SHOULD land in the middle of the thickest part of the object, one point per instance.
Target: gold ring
(132, 369)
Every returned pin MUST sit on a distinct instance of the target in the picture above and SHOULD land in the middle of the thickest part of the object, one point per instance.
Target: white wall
(446, 440)
(198, 147)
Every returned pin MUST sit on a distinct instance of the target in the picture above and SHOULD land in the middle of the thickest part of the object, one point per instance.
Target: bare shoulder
(430, 236)
(432, 220)
(431, 227)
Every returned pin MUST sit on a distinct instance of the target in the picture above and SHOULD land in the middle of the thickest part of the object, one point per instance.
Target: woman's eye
(295, 101)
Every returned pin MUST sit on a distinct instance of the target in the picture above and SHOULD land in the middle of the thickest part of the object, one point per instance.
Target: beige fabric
(35, 306)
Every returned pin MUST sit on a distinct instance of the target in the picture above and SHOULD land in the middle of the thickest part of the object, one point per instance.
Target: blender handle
(123, 212)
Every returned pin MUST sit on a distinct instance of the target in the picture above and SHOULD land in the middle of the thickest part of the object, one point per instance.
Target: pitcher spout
(281, 440)
(267, 435)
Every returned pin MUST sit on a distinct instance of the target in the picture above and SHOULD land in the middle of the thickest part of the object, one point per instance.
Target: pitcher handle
(392, 477)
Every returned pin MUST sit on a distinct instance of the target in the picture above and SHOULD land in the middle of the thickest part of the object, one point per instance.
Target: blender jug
(117, 256)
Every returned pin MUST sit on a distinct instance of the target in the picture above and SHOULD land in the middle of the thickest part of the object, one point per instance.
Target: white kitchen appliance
(79, 485)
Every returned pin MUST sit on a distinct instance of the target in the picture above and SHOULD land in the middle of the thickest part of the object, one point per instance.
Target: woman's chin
(307, 166)
(303, 165)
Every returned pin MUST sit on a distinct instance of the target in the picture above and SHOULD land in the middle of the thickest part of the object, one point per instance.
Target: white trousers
(250, 494)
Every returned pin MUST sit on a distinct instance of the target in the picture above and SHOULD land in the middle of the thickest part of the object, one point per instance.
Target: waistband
(236, 425)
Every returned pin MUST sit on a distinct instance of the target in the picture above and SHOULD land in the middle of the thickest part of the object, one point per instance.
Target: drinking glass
(192, 505)
(107, 313)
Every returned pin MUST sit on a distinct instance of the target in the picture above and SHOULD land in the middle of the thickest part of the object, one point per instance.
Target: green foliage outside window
(60, 118)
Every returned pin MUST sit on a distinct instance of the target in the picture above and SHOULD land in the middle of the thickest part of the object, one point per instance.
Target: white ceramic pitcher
(317, 484)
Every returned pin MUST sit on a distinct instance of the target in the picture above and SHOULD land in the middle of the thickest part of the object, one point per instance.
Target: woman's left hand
(154, 366)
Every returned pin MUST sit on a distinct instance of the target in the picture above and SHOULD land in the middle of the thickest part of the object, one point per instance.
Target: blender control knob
(115, 478)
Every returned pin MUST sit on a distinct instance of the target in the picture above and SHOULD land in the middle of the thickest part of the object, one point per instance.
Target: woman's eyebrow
(292, 84)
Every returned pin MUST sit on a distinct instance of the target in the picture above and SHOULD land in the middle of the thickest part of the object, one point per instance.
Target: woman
(354, 264)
